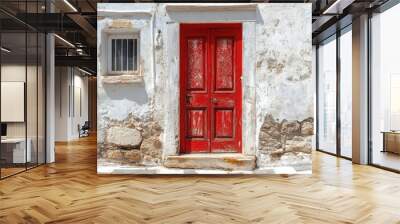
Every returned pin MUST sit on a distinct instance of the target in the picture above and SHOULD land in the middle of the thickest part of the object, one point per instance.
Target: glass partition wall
(327, 95)
(334, 94)
(385, 90)
(22, 77)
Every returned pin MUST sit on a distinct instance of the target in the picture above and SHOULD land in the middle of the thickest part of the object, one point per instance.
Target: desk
(15, 148)
(391, 141)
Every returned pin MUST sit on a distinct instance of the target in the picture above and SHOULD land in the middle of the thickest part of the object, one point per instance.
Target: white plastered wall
(69, 85)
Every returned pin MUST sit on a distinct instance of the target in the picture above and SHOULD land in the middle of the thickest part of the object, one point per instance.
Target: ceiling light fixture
(70, 5)
(338, 6)
(64, 40)
(84, 71)
(5, 50)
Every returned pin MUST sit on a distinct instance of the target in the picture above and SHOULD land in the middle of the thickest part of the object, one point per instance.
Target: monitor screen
(3, 129)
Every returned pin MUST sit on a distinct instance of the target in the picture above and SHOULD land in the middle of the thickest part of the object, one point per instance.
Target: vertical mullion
(45, 91)
(73, 91)
(37, 90)
(317, 96)
(37, 95)
(26, 86)
(338, 81)
(69, 91)
(0, 93)
(369, 88)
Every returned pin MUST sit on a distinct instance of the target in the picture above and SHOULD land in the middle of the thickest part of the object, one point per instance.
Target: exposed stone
(128, 78)
(298, 146)
(133, 141)
(151, 129)
(151, 149)
(307, 127)
(120, 23)
(114, 154)
(290, 127)
(271, 127)
(277, 139)
(132, 156)
(128, 138)
(223, 161)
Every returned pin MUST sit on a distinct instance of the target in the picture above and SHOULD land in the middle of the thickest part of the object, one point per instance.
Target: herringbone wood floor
(70, 191)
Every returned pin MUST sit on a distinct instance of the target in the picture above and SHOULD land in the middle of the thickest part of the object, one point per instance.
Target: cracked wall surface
(285, 142)
(138, 114)
(284, 89)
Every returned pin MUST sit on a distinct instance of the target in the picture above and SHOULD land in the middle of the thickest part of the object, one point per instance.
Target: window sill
(122, 79)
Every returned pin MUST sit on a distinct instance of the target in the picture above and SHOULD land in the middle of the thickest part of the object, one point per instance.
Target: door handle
(214, 100)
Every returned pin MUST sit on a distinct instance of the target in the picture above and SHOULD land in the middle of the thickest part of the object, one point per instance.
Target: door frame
(182, 84)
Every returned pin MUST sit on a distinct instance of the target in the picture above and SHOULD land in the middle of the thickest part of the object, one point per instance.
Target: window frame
(109, 52)
(334, 37)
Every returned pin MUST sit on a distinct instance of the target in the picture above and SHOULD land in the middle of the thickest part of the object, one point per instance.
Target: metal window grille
(124, 54)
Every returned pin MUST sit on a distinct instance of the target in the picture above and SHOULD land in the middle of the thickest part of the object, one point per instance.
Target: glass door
(14, 144)
(385, 90)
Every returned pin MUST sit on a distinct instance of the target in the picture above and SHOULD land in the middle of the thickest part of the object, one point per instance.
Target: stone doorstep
(219, 161)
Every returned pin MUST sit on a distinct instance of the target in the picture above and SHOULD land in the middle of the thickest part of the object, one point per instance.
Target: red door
(210, 88)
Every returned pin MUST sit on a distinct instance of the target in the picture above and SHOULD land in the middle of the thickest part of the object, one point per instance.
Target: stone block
(222, 161)
(132, 156)
(307, 127)
(114, 155)
(124, 137)
(151, 149)
(290, 127)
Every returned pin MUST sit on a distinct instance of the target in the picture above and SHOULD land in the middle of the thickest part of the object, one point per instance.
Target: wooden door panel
(224, 119)
(226, 93)
(194, 88)
(196, 57)
(224, 75)
(197, 123)
(210, 87)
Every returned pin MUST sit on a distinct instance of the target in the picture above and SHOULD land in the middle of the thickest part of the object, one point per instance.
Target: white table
(18, 149)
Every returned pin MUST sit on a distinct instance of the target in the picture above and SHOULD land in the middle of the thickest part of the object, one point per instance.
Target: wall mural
(215, 88)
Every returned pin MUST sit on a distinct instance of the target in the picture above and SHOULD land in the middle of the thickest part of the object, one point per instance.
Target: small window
(124, 54)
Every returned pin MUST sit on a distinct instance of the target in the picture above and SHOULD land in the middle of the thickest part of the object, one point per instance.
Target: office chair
(84, 130)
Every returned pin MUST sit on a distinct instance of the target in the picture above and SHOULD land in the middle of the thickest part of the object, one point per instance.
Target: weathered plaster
(276, 77)
(249, 88)
(283, 74)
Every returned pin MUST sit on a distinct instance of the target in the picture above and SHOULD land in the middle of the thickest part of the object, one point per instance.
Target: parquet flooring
(70, 191)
